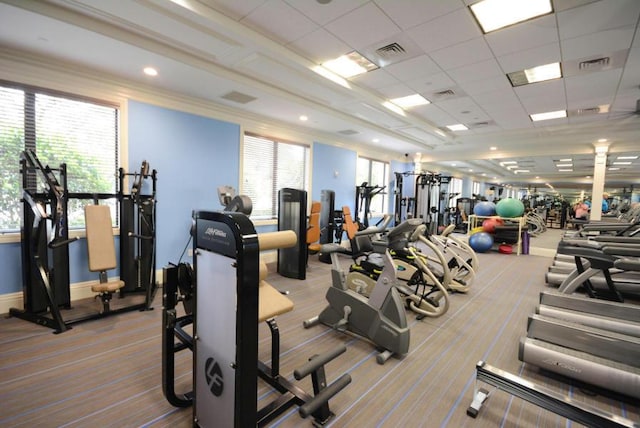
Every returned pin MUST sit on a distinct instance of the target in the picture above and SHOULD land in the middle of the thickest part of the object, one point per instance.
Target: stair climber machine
(230, 297)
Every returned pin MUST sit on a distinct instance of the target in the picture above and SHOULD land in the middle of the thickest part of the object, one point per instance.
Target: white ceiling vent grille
(594, 64)
(238, 97)
(390, 50)
(588, 111)
(348, 132)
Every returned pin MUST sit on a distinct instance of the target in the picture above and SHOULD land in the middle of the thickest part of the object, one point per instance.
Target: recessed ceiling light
(627, 157)
(394, 108)
(622, 163)
(410, 101)
(495, 14)
(493, 148)
(602, 140)
(150, 71)
(560, 165)
(457, 127)
(548, 115)
(565, 160)
(508, 163)
(535, 74)
(614, 169)
(470, 170)
(565, 170)
(349, 65)
(376, 140)
(303, 118)
(521, 170)
(510, 167)
(453, 164)
(328, 74)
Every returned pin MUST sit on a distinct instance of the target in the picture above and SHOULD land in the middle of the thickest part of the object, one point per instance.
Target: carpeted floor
(108, 372)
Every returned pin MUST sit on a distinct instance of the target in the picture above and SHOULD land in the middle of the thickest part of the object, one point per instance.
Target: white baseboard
(79, 290)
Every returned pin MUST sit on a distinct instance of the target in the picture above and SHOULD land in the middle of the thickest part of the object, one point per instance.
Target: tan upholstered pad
(107, 287)
(101, 248)
(271, 302)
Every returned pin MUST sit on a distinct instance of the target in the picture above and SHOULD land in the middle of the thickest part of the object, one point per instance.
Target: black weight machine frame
(364, 194)
(45, 259)
(240, 245)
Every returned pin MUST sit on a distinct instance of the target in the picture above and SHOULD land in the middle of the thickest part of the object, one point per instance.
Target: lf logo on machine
(213, 375)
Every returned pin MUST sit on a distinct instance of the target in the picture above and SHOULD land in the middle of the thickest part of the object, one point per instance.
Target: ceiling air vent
(588, 110)
(444, 94)
(479, 124)
(594, 64)
(389, 50)
(238, 97)
(348, 132)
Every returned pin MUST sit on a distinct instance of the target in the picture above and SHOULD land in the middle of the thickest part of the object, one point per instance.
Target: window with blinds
(455, 187)
(82, 134)
(269, 165)
(376, 173)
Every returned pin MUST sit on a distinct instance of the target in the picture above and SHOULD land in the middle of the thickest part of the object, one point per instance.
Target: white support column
(599, 170)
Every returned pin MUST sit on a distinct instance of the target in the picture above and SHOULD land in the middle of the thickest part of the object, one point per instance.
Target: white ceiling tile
(527, 35)
(413, 68)
(542, 97)
(325, 13)
(320, 46)
(493, 84)
(431, 83)
(408, 13)
(630, 78)
(592, 87)
(279, 21)
(396, 91)
(469, 52)
(375, 79)
(434, 114)
(363, 26)
(447, 30)
(534, 57)
(497, 98)
(479, 71)
(597, 16)
(235, 9)
(599, 43)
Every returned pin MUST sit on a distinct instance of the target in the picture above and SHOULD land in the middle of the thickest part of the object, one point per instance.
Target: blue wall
(327, 161)
(193, 156)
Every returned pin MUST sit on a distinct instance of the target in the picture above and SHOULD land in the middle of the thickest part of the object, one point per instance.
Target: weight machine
(45, 255)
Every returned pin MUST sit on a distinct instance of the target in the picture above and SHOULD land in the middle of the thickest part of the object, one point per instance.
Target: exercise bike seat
(271, 302)
(333, 248)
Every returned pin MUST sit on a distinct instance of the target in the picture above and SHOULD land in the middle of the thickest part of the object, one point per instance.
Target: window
(455, 187)
(476, 188)
(61, 129)
(375, 173)
(269, 165)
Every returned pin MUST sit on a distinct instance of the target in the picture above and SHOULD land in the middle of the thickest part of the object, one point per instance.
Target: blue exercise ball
(485, 209)
(509, 208)
(481, 242)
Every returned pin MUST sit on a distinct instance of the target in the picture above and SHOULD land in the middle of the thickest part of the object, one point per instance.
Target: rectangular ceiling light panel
(349, 65)
(495, 14)
(537, 74)
(548, 115)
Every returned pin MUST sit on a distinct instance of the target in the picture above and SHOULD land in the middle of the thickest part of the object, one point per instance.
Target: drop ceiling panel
(375, 79)
(542, 97)
(525, 36)
(363, 26)
(465, 53)
(320, 46)
(279, 21)
(413, 68)
(235, 9)
(407, 14)
(534, 57)
(597, 16)
(396, 91)
(598, 43)
(498, 84)
(478, 71)
(431, 83)
(374, 114)
(458, 106)
(324, 13)
(434, 114)
(631, 72)
(591, 87)
(448, 30)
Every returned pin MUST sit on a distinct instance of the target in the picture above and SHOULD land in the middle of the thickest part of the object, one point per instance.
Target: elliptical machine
(381, 317)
